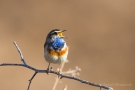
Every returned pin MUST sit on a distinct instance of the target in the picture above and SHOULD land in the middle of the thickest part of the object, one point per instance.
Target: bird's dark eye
(53, 34)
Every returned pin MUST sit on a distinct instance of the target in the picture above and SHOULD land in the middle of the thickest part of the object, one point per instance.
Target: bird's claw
(48, 70)
(59, 74)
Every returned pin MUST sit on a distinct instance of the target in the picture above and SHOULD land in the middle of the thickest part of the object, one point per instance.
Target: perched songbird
(55, 48)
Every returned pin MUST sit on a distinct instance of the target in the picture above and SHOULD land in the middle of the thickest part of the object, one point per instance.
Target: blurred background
(101, 39)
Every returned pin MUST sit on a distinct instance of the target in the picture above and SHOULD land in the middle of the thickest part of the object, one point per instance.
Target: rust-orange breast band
(60, 53)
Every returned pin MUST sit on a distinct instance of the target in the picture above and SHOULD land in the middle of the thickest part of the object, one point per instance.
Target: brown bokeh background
(101, 37)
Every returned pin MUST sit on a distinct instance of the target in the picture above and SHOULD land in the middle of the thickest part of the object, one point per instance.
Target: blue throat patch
(58, 43)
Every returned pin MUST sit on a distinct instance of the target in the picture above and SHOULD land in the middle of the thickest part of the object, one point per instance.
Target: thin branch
(31, 80)
(55, 72)
(56, 82)
(57, 78)
(100, 88)
(51, 71)
(21, 56)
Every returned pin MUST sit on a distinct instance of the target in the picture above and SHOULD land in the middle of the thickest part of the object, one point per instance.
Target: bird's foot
(48, 70)
(59, 73)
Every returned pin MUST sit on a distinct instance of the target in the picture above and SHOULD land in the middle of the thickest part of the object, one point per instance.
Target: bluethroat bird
(55, 48)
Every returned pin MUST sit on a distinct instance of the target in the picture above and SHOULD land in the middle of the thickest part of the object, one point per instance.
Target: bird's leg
(48, 69)
(59, 71)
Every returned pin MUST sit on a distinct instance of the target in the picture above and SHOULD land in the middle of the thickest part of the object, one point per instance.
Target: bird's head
(56, 32)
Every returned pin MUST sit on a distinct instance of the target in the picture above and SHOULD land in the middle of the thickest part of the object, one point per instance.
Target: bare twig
(57, 78)
(31, 80)
(55, 72)
(21, 56)
(55, 83)
(51, 71)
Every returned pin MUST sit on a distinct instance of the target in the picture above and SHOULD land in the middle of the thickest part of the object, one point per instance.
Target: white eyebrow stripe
(57, 31)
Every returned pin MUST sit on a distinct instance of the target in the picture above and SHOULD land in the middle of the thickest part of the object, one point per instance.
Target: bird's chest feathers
(57, 53)
(53, 56)
(57, 47)
(57, 44)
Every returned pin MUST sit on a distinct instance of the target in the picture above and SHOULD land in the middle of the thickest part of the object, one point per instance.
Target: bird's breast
(57, 53)
(53, 56)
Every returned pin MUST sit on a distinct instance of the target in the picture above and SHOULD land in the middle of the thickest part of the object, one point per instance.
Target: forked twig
(51, 71)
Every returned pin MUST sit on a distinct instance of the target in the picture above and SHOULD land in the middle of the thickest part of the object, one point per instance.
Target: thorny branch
(51, 71)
